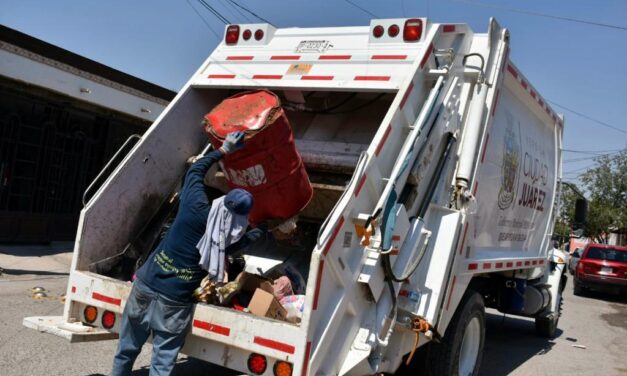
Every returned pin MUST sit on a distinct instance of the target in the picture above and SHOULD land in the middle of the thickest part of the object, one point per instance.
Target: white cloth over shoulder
(224, 228)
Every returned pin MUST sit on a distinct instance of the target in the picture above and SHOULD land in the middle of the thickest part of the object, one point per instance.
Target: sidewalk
(35, 262)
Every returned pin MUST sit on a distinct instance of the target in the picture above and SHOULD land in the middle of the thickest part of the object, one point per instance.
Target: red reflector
(378, 31)
(257, 364)
(258, 34)
(412, 30)
(232, 34)
(247, 34)
(393, 30)
(108, 319)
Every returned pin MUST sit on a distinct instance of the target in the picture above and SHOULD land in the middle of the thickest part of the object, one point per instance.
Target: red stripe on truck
(106, 299)
(426, 57)
(336, 230)
(221, 76)
(372, 78)
(448, 28)
(240, 57)
(360, 185)
(73, 289)
(385, 137)
(317, 78)
(389, 57)
(285, 57)
(267, 76)
(463, 238)
(496, 101)
(212, 328)
(334, 57)
(511, 70)
(450, 294)
(406, 95)
(306, 360)
(473, 266)
(485, 147)
(318, 282)
(276, 345)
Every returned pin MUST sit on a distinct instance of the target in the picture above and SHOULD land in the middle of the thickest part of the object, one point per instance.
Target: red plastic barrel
(269, 167)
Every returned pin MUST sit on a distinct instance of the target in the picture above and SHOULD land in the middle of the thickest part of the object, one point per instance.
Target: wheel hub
(469, 351)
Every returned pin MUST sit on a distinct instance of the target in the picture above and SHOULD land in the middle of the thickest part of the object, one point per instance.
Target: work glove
(233, 141)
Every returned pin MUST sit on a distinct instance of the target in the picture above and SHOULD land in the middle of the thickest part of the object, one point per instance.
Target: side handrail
(359, 170)
(110, 164)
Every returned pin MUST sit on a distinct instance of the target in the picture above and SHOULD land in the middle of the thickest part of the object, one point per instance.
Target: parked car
(573, 259)
(601, 267)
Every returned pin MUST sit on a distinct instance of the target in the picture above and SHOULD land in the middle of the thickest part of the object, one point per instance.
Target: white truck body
(469, 160)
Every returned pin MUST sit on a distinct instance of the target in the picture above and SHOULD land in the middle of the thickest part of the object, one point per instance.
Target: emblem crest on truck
(509, 166)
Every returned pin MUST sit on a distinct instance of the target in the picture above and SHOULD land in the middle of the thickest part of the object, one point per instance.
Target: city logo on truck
(509, 167)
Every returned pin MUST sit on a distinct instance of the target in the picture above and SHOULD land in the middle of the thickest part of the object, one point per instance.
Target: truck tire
(547, 326)
(461, 348)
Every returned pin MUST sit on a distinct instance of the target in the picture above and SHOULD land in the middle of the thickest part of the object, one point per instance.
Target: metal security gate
(50, 149)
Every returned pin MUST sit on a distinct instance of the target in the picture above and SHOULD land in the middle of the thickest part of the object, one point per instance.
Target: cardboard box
(263, 303)
(250, 282)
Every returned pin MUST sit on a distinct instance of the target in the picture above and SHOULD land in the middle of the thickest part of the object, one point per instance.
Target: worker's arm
(193, 192)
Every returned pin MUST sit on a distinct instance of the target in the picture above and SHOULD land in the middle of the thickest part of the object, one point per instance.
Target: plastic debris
(294, 305)
(282, 287)
(40, 295)
(579, 346)
(37, 289)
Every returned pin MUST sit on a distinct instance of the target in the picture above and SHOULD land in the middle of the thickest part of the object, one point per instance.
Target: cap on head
(239, 201)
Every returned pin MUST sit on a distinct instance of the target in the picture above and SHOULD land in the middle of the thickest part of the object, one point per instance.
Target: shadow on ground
(29, 272)
(34, 250)
(187, 367)
(502, 355)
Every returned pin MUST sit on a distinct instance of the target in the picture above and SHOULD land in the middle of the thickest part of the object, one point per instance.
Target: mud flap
(72, 331)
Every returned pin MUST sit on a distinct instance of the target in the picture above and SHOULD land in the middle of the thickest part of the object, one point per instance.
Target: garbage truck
(435, 168)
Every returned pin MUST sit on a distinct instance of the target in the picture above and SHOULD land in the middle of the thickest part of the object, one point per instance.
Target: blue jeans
(148, 312)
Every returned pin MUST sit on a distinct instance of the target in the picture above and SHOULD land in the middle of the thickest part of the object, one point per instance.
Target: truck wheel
(461, 348)
(547, 326)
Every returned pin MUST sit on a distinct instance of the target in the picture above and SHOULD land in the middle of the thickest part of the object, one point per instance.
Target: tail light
(257, 364)
(90, 313)
(412, 30)
(282, 369)
(259, 34)
(247, 34)
(393, 30)
(108, 319)
(378, 31)
(232, 34)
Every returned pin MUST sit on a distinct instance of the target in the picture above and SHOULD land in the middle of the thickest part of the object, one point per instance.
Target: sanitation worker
(160, 302)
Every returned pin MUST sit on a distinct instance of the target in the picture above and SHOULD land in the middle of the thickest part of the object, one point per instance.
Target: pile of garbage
(277, 294)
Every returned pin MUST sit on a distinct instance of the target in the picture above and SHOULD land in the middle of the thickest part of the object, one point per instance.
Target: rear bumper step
(72, 331)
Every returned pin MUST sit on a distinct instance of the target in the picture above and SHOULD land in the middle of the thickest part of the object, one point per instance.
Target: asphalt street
(592, 339)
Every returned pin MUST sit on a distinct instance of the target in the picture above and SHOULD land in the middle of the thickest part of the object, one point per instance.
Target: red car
(602, 267)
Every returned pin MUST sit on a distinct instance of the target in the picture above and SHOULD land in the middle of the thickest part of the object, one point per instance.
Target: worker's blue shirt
(172, 268)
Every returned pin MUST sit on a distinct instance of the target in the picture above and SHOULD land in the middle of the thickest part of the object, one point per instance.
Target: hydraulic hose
(387, 265)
